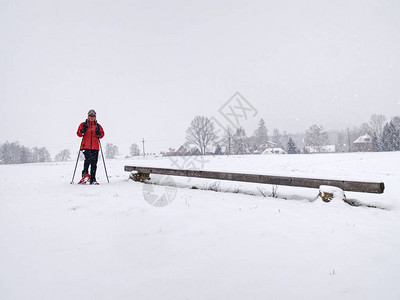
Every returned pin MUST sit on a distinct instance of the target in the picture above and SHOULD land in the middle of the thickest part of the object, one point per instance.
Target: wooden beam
(351, 186)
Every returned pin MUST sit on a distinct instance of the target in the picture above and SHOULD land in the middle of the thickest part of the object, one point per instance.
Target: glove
(84, 128)
(98, 132)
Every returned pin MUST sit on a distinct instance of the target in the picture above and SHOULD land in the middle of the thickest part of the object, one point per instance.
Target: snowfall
(186, 238)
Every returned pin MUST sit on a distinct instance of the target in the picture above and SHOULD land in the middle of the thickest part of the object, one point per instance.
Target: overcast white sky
(148, 67)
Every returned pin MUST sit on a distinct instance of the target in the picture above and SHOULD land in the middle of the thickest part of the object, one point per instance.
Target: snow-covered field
(63, 241)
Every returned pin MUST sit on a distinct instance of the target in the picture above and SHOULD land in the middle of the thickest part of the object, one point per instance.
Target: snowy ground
(63, 241)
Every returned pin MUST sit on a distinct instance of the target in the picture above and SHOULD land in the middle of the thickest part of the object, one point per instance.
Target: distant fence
(351, 186)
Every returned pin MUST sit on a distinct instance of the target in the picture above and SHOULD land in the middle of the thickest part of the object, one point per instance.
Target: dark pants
(91, 157)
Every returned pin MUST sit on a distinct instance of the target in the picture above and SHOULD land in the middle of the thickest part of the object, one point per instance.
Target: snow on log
(328, 193)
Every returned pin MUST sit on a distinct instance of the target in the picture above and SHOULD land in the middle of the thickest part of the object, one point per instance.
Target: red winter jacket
(90, 140)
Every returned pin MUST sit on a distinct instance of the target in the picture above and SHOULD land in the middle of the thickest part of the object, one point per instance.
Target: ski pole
(73, 176)
(105, 169)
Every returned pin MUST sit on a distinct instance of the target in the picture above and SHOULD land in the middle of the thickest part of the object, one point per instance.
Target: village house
(322, 149)
(274, 151)
(269, 148)
(363, 143)
(266, 145)
(183, 150)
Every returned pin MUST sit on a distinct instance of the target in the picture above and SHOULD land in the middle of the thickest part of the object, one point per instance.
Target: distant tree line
(385, 136)
(14, 153)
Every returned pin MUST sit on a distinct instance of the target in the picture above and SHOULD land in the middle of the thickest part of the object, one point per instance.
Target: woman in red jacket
(91, 131)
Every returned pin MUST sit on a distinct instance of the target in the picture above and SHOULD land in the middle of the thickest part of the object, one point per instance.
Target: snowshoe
(85, 179)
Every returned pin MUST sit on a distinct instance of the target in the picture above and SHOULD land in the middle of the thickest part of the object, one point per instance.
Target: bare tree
(396, 122)
(64, 155)
(201, 133)
(240, 141)
(10, 153)
(280, 139)
(366, 128)
(111, 151)
(316, 137)
(227, 139)
(377, 122)
(134, 150)
(40, 154)
(25, 155)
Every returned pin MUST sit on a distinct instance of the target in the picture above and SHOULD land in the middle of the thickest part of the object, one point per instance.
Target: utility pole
(348, 136)
(144, 154)
(229, 145)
